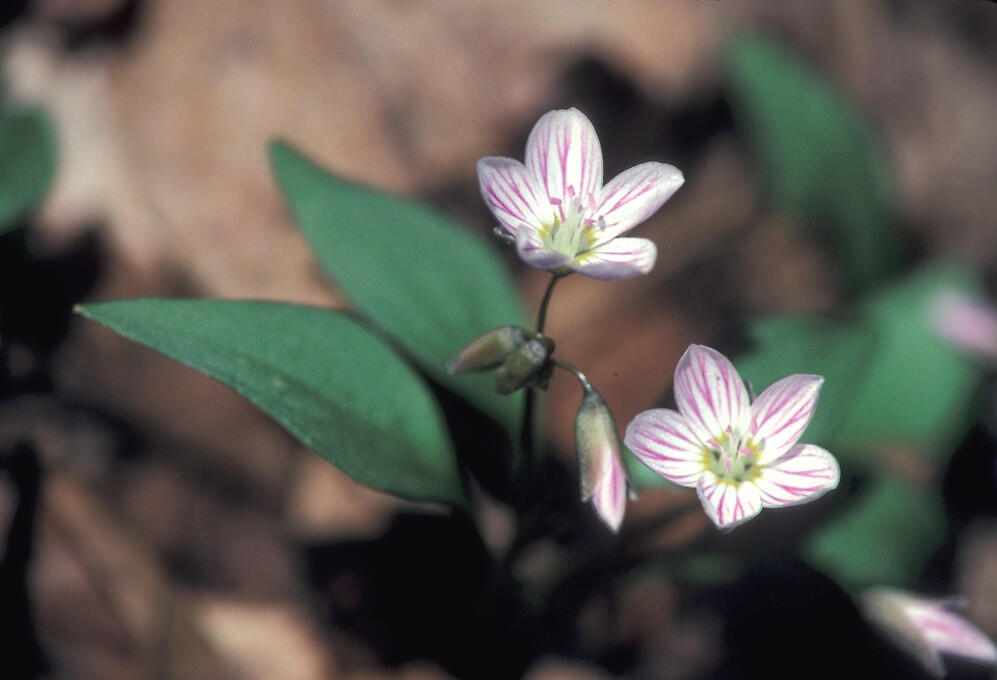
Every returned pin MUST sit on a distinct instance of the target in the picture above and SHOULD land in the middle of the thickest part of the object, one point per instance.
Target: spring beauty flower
(740, 456)
(926, 628)
(559, 213)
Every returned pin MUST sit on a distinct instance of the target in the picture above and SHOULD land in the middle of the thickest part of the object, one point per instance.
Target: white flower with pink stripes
(559, 213)
(740, 456)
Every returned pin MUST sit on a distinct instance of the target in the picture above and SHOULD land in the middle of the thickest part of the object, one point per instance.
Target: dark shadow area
(23, 656)
(427, 589)
(783, 619)
(37, 295)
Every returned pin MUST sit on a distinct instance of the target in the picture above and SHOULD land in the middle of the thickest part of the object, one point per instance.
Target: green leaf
(27, 162)
(889, 379)
(430, 284)
(884, 537)
(802, 344)
(916, 389)
(820, 159)
(335, 386)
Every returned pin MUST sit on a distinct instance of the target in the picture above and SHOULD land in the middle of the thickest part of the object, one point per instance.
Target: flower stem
(542, 312)
(526, 443)
(572, 369)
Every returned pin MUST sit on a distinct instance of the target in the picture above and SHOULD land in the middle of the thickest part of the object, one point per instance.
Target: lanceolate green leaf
(916, 388)
(805, 344)
(889, 379)
(821, 161)
(27, 162)
(884, 537)
(428, 283)
(339, 389)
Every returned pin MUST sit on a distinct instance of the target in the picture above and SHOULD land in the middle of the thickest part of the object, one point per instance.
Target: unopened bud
(489, 350)
(526, 366)
(600, 460)
(925, 628)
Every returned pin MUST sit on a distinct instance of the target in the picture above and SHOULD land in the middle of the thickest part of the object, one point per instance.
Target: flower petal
(563, 153)
(802, 475)
(533, 252)
(710, 393)
(622, 258)
(662, 440)
(967, 322)
(948, 632)
(609, 494)
(512, 194)
(782, 412)
(634, 195)
(728, 503)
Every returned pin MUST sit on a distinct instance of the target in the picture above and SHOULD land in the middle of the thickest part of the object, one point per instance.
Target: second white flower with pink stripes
(740, 456)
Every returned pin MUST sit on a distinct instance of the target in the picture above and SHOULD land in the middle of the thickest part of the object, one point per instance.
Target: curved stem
(572, 369)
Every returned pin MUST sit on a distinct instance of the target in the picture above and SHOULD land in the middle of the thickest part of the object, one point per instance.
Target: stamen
(556, 202)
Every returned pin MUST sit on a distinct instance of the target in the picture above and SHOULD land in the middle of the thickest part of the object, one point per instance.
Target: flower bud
(489, 350)
(925, 628)
(604, 480)
(527, 365)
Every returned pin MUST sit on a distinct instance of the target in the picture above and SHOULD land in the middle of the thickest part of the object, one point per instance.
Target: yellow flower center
(733, 458)
(570, 233)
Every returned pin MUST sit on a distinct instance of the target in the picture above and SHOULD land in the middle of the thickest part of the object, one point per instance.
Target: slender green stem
(572, 369)
(526, 444)
(542, 312)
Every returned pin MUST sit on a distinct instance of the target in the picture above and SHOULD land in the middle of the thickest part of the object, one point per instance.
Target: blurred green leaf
(27, 162)
(336, 387)
(430, 284)
(884, 537)
(916, 388)
(888, 378)
(820, 159)
(804, 344)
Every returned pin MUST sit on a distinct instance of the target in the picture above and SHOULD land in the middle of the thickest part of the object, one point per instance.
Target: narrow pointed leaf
(335, 386)
(820, 158)
(917, 388)
(837, 351)
(889, 377)
(27, 162)
(430, 284)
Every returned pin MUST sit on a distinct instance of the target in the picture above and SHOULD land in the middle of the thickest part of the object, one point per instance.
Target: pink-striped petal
(925, 628)
(967, 322)
(782, 412)
(661, 439)
(800, 476)
(947, 632)
(563, 153)
(710, 394)
(513, 195)
(622, 258)
(533, 252)
(634, 195)
(728, 503)
(609, 493)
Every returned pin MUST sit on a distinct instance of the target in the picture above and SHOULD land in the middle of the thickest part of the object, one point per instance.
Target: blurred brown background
(169, 508)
